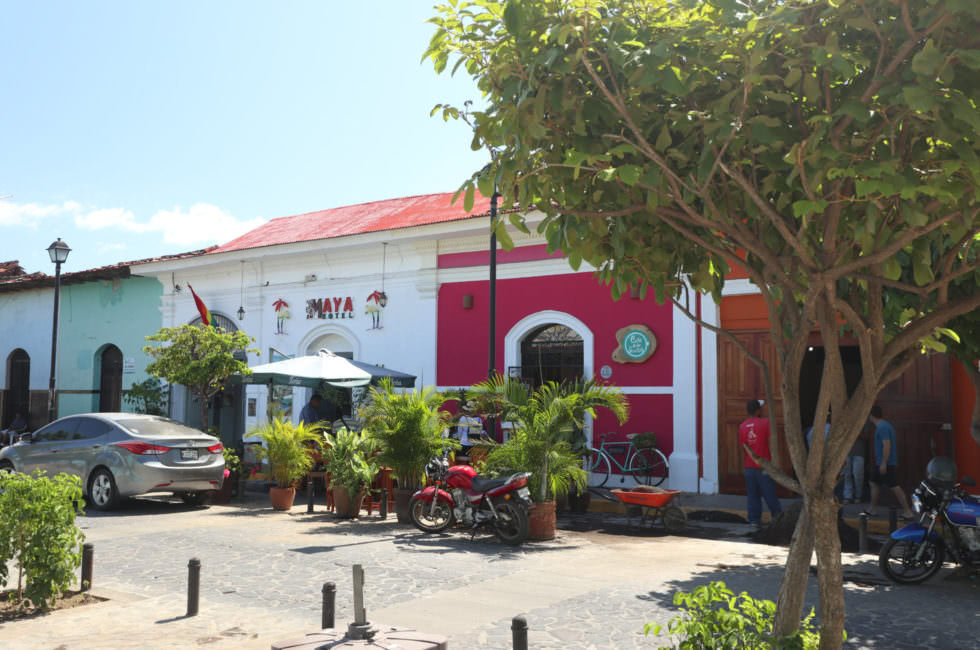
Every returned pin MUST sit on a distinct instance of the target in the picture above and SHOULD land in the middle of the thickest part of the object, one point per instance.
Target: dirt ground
(10, 611)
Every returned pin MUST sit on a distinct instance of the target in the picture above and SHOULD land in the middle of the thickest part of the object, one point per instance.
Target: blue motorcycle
(949, 523)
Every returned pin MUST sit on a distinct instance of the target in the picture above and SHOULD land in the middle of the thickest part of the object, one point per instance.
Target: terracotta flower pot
(542, 523)
(282, 498)
(224, 494)
(403, 499)
(345, 506)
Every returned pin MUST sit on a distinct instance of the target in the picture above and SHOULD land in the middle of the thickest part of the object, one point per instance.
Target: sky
(137, 129)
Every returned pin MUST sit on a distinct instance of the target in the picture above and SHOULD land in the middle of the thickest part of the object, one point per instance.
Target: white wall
(25, 322)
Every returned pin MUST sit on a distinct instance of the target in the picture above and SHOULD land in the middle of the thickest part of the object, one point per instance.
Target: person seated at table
(9, 435)
(311, 412)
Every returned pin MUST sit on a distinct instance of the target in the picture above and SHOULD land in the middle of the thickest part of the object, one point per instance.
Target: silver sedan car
(122, 455)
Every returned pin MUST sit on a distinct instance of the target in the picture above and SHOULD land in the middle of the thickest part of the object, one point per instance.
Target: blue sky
(135, 129)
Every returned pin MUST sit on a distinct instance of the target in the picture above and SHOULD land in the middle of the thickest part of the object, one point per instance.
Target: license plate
(524, 493)
(188, 454)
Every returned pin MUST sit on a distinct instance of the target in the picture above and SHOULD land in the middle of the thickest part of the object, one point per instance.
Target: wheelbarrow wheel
(675, 520)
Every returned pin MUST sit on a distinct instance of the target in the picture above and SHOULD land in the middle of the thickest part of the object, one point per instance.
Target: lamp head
(241, 313)
(58, 251)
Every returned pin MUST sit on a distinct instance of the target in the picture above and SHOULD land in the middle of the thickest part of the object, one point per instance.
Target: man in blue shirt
(311, 412)
(886, 460)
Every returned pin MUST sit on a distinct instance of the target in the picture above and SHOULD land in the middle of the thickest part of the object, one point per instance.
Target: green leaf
(892, 269)
(663, 140)
(918, 98)
(630, 174)
(513, 19)
(792, 78)
(928, 60)
(468, 198)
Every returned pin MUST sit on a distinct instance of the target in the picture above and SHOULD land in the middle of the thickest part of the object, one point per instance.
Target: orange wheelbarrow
(656, 506)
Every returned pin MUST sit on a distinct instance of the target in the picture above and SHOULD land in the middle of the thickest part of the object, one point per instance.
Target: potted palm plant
(408, 429)
(350, 462)
(289, 457)
(546, 421)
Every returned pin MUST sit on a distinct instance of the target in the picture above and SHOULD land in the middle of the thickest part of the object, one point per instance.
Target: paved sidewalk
(262, 572)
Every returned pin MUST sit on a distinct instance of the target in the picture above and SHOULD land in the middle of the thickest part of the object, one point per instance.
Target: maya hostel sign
(637, 343)
(330, 308)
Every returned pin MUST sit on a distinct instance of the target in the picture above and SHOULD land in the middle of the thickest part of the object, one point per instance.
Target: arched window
(221, 321)
(552, 352)
(110, 380)
(18, 386)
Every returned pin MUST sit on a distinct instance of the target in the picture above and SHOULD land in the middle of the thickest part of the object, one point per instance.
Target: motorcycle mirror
(967, 480)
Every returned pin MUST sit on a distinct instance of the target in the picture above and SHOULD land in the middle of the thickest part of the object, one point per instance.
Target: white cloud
(202, 223)
(106, 247)
(29, 214)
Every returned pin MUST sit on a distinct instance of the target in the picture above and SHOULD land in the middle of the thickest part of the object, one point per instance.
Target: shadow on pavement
(140, 506)
(879, 614)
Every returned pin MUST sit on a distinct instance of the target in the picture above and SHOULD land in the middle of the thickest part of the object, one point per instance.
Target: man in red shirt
(754, 432)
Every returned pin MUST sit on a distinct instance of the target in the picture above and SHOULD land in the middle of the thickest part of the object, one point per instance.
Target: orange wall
(744, 313)
(967, 450)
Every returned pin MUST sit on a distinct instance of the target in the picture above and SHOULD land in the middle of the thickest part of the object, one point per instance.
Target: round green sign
(636, 345)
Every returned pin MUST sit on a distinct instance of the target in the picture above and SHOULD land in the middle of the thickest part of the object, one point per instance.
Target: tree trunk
(204, 411)
(792, 590)
(822, 511)
(974, 375)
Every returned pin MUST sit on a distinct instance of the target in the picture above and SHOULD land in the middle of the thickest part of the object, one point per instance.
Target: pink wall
(462, 341)
(462, 338)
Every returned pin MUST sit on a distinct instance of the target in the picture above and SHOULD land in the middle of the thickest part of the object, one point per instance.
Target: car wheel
(102, 492)
(6, 466)
(197, 498)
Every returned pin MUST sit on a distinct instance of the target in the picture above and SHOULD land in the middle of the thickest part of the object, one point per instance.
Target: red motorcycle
(472, 501)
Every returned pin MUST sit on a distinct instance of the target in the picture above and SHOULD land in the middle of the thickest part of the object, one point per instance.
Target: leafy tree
(38, 534)
(149, 396)
(201, 358)
(829, 148)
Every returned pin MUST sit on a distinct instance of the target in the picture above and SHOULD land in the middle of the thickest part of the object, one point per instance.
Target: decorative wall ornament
(282, 315)
(330, 308)
(376, 303)
(637, 343)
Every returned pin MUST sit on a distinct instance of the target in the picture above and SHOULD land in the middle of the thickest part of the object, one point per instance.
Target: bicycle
(646, 464)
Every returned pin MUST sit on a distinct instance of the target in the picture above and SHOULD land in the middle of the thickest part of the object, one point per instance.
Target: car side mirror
(967, 480)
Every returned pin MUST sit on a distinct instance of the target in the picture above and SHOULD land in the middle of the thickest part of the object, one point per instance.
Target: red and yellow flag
(204, 311)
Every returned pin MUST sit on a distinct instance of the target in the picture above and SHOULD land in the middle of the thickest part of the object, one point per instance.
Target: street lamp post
(58, 251)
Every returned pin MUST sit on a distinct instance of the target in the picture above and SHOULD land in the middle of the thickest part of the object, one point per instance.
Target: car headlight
(916, 504)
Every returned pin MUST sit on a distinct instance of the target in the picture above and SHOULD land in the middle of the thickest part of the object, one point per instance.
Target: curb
(875, 526)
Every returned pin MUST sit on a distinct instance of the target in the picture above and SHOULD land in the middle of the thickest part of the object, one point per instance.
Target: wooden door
(110, 385)
(740, 380)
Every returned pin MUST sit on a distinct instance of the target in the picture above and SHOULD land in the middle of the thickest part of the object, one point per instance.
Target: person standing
(854, 471)
(884, 471)
(754, 432)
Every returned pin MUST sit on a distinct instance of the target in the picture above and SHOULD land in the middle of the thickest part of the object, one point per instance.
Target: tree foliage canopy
(200, 358)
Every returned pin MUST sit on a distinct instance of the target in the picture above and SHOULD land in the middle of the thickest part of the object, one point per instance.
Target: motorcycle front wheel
(898, 561)
(511, 523)
(426, 520)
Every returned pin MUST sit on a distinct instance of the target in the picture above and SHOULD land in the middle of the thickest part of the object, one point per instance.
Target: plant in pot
(351, 463)
(547, 422)
(288, 455)
(408, 429)
(233, 469)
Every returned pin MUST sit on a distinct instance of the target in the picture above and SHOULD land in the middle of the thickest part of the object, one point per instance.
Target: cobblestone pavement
(262, 572)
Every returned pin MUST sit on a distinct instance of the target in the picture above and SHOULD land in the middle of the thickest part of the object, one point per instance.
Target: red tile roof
(24, 282)
(376, 216)
(11, 269)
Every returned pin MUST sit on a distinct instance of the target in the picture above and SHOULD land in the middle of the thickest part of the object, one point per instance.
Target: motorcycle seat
(486, 484)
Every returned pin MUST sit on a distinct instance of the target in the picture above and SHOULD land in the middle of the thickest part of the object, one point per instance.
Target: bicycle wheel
(598, 465)
(648, 466)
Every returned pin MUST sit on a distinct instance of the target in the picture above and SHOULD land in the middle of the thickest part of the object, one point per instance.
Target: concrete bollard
(383, 510)
(518, 628)
(193, 586)
(892, 519)
(329, 599)
(88, 551)
(862, 533)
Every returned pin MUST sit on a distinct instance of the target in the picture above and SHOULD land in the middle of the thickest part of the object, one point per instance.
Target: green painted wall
(94, 315)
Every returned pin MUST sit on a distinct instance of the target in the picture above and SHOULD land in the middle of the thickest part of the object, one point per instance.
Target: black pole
(493, 287)
(892, 519)
(518, 628)
(54, 340)
(193, 585)
(309, 494)
(862, 533)
(329, 597)
(383, 510)
(88, 550)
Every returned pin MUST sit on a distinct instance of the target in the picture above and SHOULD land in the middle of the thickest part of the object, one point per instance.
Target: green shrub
(38, 533)
(350, 460)
(286, 449)
(716, 618)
